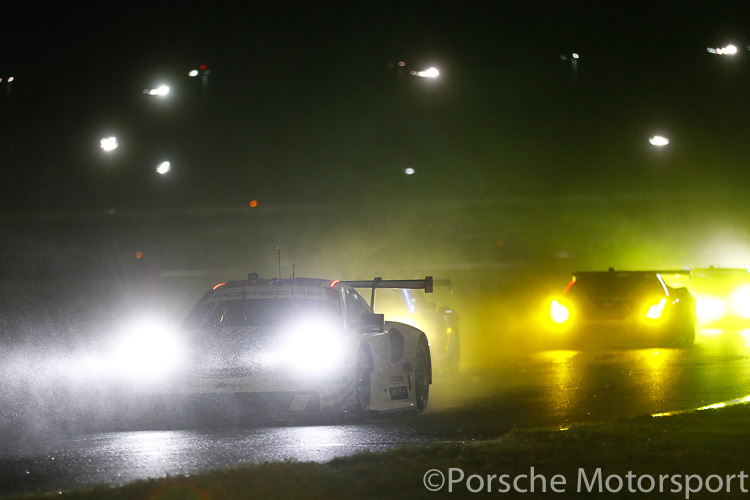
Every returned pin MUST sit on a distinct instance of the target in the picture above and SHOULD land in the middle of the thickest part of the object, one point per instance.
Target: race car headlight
(558, 313)
(655, 311)
(312, 347)
(146, 351)
(740, 299)
(709, 308)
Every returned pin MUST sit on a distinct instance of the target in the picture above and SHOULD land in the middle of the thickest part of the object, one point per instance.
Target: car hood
(226, 348)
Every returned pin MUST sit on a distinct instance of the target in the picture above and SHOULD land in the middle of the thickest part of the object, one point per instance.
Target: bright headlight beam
(558, 312)
(709, 308)
(740, 299)
(311, 347)
(655, 311)
(146, 351)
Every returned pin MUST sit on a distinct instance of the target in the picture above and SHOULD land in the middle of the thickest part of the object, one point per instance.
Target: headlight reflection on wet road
(545, 388)
(121, 457)
(563, 377)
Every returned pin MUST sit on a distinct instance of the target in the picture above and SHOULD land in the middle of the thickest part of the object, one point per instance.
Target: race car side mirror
(373, 321)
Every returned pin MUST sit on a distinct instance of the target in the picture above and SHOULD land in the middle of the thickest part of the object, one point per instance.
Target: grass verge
(696, 452)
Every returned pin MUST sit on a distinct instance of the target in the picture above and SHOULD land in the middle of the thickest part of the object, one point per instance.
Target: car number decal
(400, 392)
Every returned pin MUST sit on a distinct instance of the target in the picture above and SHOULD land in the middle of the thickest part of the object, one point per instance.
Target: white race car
(302, 346)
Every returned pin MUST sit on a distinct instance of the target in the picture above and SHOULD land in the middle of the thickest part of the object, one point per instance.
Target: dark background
(305, 103)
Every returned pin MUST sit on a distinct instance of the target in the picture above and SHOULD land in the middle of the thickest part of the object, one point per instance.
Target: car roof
(308, 282)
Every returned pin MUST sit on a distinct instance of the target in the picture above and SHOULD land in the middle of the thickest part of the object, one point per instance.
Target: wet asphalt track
(548, 388)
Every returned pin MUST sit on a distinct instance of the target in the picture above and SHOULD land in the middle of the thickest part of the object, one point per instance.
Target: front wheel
(422, 374)
(685, 327)
(685, 336)
(363, 383)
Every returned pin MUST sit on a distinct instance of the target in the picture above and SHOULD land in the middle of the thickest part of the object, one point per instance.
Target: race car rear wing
(426, 284)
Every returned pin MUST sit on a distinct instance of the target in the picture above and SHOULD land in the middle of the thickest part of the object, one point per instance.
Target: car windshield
(259, 313)
(614, 284)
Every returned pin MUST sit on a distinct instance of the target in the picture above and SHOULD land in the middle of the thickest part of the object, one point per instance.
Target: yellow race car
(624, 308)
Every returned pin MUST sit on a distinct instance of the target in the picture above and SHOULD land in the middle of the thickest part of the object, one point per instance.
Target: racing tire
(685, 337)
(363, 383)
(685, 331)
(422, 374)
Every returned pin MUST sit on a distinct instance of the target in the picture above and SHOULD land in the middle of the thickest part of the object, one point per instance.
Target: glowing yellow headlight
(558, 312)
(741, 301)
(709, 308)
(656, 310)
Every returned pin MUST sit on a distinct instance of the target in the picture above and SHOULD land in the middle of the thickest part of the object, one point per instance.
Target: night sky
(309, 103)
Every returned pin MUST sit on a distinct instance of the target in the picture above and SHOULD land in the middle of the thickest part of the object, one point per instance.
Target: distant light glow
(11, 78)
(408, 300)
(729, 50)
(658, 141)
(163, 168)
(576, 56)
(193, 72)
(409, 171)
(745, 336)
(253, 203)
(161, 91)
(431, 72)
(108, 144)
(709, 308)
